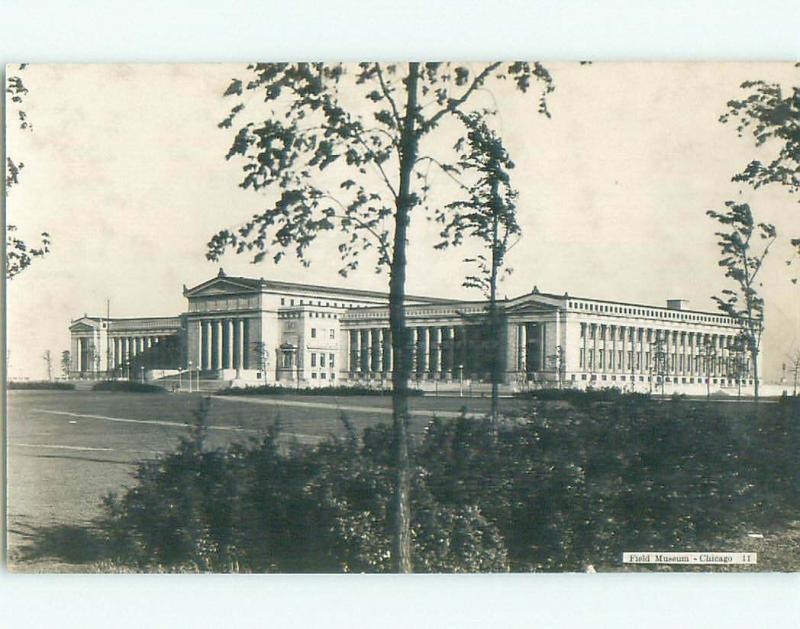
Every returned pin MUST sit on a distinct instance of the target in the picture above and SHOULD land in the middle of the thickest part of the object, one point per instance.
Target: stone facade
(261, 331)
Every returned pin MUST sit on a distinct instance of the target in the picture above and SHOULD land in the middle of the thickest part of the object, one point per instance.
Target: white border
(241, 30)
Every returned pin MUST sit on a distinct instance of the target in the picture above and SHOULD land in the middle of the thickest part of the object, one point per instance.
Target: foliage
(35, 384)
(361, 169)
(772, 116)
(589, 396)
(488, 213)
(489, 216)
(742, 260)
(19, 254)
(66, 362)
(553, 490)
(127, 386)
(274, 389)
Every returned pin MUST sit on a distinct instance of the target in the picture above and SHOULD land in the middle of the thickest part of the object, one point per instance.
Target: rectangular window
(583, 358)
(322, 360)
(333, 333)
(323, 375)
(313, 333)
(313, 359)
(313, 375)
(330, 360)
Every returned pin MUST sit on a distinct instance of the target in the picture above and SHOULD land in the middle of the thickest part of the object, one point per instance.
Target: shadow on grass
(59, 543)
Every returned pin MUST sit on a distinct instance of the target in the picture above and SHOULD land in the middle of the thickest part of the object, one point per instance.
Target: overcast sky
(125, 168)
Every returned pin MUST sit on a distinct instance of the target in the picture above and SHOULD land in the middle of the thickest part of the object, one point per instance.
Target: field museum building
(242, 331)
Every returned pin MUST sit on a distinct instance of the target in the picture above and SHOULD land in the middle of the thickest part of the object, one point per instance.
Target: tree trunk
(401, 542)
(754, 354)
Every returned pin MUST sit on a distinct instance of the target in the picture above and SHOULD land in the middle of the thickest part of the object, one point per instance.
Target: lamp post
(190, 376)
(460, 380)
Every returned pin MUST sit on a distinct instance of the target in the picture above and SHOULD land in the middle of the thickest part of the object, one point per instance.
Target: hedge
(554, 490)
(127, 386)
(272, 389)
(41, 384)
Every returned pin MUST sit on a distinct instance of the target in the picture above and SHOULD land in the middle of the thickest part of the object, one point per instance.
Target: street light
(460, 380)
(190, 378)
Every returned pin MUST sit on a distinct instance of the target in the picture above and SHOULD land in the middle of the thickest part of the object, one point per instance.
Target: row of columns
(123, 349)
(222, 343)
(433, 351)
(683, 353)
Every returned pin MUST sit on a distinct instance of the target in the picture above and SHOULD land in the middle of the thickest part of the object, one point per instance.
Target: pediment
(220, 286)
(83, 325)
(534, 302)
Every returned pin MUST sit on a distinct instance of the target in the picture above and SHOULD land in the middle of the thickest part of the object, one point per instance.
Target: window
(313, 359)
(283, 301)
(323, 375)
(291, 302)
(322, 360)
(332, 333)
(330, 360)
(313, 333)
(314, 375)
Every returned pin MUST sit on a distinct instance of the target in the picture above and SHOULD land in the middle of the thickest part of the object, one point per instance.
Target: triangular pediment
(84, 325)
(220, 286)
(534, 302)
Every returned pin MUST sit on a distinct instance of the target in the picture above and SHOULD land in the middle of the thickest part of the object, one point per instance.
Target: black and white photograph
(512, 316)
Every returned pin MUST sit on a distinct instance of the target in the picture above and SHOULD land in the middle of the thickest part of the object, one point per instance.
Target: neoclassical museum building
(248, 331)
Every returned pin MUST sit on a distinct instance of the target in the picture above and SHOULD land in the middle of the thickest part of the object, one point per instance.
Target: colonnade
(123, 349)
(437, 352)
(222, 343)
(635, 350)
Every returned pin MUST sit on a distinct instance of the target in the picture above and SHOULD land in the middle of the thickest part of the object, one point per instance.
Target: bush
(553, 490)
(41, 384)
(588, 396)
(274, 389)
(127, 386)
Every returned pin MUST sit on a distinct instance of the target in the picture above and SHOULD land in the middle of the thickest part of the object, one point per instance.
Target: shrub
(41, 384)
(274, 389)
(127, 386)
(555, 489)
(608, 394)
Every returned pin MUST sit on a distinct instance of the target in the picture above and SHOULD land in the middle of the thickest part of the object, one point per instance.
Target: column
(368, 357)
(240, 354)
(229, 343)
(451, 354)
(437, 353)
(389, 351)
(207, 339)
(425, 347)
(523, 349)
(414, 351)
(219, 334)
(149, 342)
(357, 351)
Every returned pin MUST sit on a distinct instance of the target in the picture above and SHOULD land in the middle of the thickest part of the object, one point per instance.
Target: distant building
(255, 330)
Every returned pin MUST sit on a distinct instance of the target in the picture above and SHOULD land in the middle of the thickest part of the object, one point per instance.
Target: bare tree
(48, 359)
(361, 170)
